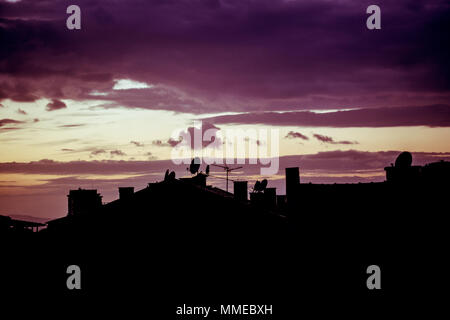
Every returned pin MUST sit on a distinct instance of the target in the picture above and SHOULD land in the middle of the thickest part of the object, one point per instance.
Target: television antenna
(227, 169)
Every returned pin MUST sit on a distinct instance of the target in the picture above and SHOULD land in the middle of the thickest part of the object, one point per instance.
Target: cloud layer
(55, 105)
(207, 56)
(48, 197)
(329, 161)
(431, 116)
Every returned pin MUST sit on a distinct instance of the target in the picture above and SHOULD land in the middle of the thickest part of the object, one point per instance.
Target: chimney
(292, 182)
(83, 201)
(125, 193)
(240, 190)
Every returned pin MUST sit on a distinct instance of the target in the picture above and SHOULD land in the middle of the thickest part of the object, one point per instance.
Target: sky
(104, 106)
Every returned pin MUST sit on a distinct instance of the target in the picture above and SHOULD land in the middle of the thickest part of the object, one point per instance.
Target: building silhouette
(9, 225)
(85, 206)
(83, 201)
(185, 239)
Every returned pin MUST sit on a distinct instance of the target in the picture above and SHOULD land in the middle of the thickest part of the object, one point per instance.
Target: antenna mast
(227, 169)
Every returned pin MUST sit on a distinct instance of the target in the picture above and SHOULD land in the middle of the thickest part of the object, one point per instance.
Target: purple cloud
(235, 55)
(330, 140)
(190, 134)
(97, 152)
(71, 125)
(117, 153)
(326, 161)
(431, 116)
(296, 135)
(169, 143)
(137, 144)
(193, 132)
(157, 143)
(55, 105)
(4, 122)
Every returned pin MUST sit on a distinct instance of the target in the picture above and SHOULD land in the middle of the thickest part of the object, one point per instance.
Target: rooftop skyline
(97, 106)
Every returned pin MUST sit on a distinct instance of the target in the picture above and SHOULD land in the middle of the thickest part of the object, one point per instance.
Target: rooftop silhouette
(85, 208)
(200, 236)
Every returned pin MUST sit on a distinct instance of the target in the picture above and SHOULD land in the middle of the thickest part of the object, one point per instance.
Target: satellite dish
(263, 184)
(166, 175)
(404, 160)
(257, 186)
(207, 170)
(195, 165)
(260, 186)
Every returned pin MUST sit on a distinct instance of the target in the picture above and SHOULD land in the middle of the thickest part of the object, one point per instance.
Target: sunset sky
(97, 107)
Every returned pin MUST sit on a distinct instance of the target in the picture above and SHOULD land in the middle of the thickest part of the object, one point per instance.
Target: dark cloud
(4, 122)
(234, 55)
(137, 144)
(354, 161)
(112, 153)
(258, 142)
(206, 135)
(169, 143)
(323, 138)
(296, 135)
(336, 161)
(9, 124)
(431, 116)
(330, 140)
(96, 77)
(97, 152)
(55, 105)
(8, 129)
(155, 98)
(19, 91)
(117, 153)
(71, 125)
(158, 143)
(150, 156)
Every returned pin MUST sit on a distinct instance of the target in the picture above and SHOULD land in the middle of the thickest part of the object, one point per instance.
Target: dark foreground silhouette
(180, 241)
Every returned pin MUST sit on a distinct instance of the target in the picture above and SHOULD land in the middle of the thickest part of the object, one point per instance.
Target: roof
(22, 223)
